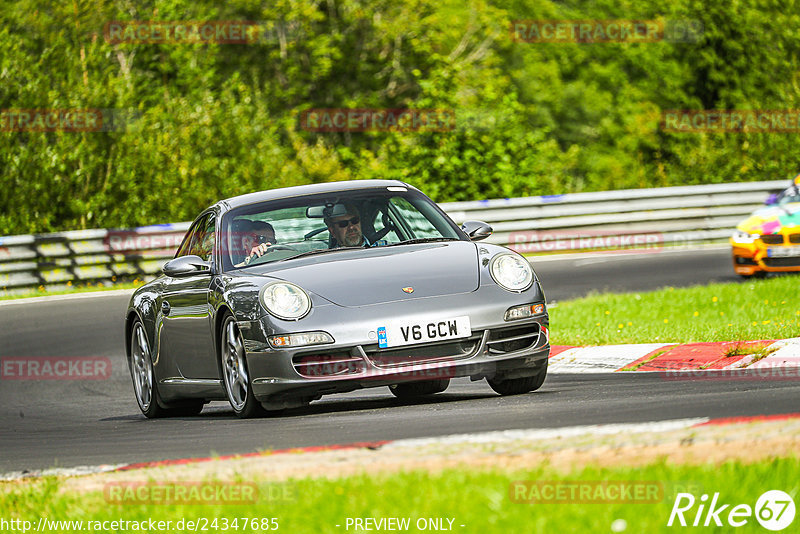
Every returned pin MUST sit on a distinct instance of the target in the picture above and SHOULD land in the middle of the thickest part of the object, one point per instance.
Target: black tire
(758, 275)
(517, 386)
(235, 375)
(409, 390)
(140, 364)
(145, 386)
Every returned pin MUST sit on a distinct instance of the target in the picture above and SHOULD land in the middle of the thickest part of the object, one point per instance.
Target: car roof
(311, 189)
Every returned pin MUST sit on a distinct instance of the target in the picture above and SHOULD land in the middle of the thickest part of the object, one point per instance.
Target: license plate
(783, 252)
(413, 331)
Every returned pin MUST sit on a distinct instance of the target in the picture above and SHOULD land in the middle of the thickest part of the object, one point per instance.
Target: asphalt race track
(51, 423)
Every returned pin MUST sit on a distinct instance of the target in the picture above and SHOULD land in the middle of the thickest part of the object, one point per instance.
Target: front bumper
(752, 258)
(496, 348)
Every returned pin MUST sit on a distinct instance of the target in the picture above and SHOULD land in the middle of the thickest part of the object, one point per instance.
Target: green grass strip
(483, 501)
(735, 311)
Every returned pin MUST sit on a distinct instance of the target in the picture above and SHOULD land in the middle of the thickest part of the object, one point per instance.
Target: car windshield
(790, 195)
(281, 230)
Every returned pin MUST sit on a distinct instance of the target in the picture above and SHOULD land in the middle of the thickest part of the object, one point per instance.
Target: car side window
(417, 222)
(204, 238)
(186, 244)
(792, 194)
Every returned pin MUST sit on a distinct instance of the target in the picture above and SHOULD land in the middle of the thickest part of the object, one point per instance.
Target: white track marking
(603, 359)
(61, 471)
(550, 433)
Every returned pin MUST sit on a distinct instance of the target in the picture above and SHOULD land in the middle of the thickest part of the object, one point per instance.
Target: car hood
(770, 219)
(380, 274)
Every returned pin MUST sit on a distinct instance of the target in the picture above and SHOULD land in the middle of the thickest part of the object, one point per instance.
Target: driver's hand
(258, 251)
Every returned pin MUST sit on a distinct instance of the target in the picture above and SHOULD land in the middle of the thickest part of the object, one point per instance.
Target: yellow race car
(769, 239)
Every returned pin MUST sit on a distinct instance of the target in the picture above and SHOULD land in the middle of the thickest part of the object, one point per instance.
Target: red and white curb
(497, 437)
(767, 354)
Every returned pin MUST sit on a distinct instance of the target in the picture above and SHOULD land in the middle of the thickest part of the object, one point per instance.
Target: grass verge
(484, 501)
(753, 310)
(84, 288)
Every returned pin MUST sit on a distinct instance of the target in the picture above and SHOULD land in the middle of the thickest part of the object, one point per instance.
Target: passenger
(256, 237)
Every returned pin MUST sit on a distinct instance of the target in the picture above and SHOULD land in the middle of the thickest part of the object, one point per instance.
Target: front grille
(329, 364)
(794, 238)
(505, 340)
(782, 262)
(774, 239)
(424, 353)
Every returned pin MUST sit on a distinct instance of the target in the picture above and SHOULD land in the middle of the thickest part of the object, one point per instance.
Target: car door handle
(165, 307)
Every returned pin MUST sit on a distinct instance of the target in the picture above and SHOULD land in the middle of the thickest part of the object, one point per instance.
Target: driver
(256, 237)
(345, 229)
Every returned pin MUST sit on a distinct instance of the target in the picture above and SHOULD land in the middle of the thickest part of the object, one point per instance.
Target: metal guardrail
(580, 221)
(60, 260)
(628, 218)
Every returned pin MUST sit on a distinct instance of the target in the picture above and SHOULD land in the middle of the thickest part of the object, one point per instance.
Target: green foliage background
(220, 120)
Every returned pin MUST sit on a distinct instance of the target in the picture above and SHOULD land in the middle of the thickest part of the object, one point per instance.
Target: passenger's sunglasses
(347, 222)
(262, 238)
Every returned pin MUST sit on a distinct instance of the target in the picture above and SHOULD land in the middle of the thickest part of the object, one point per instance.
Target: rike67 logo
(774, 510)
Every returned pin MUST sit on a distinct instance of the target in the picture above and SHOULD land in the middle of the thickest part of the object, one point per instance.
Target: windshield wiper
(423, 240)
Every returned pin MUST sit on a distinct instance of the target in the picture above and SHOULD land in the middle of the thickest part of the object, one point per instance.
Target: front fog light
(300, 340)
(521, 312)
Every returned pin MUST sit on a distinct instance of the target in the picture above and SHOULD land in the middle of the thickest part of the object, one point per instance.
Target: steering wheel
(312, 233)
(279, 247)
(253, 257)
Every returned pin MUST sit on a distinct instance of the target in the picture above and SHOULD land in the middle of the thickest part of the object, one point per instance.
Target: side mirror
(772, 199)
(476, 230)
(186, 266)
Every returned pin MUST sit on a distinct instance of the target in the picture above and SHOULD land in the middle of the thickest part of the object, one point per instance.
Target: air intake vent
(425, 353)
(506, 340)
(322, 365)
(782, 262)
(776, 239)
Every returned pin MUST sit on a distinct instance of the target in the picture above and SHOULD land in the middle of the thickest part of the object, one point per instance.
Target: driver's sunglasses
(347, 222)
(264, 239)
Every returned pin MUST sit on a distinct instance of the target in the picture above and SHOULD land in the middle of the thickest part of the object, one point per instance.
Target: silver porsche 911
(276, 298)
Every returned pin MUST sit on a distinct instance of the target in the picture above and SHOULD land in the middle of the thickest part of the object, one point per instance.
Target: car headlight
(743, 237)
(285, 300)
(511, 271)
